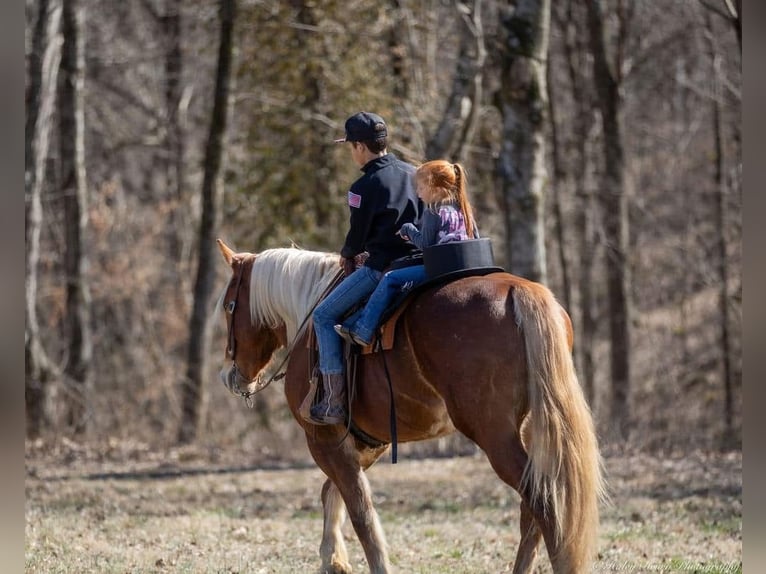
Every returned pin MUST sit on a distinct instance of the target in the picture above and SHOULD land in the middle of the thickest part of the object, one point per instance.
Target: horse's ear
(226, 251)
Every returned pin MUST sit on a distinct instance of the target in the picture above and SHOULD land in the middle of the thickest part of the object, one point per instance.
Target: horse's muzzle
(233, 380)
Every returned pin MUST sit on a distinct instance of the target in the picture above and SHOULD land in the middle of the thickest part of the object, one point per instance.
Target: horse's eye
(230, 307)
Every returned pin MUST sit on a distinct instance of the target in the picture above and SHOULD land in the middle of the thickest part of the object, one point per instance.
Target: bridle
(231, 345)
(230, 307)
(231, 352)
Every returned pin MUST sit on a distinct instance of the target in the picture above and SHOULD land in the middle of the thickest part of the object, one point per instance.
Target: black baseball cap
(364, 126)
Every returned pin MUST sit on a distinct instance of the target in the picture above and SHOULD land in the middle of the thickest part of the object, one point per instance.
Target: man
(381, 201)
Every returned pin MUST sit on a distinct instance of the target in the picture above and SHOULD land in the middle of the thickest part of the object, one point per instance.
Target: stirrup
(309, 402)
(328, 415)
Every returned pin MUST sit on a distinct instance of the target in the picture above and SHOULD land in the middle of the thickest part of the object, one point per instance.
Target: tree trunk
(41, 97)
(719, 184)
(523, 106)
(615, 221)
(397, 47)
(576, 54)
(212, 190)
(558, 183)
(77, 372)
(178, 241)
(409, 62)
(458, 123)
(311, 88)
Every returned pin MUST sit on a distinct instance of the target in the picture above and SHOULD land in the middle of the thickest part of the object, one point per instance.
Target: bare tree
(311, 80)
(397, 46)
(614, 210)
(212, 190)
(558, 182)
(41, 96)
(455, 131)
(77, 371)
(523, 106)
(575, 55)
(175, 140)
(720, 190)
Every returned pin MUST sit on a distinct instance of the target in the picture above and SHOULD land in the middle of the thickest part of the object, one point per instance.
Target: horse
(489, 356)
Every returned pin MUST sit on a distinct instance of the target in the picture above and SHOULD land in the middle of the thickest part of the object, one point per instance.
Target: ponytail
(462, 199)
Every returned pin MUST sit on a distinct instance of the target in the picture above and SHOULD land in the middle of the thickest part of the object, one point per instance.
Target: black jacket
(381, 201)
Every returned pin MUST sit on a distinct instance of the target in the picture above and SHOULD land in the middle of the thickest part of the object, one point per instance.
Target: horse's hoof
(337, 568)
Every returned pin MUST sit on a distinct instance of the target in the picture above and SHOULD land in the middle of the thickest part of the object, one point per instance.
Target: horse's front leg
(343, 465)
(333, 549)
(355, 489)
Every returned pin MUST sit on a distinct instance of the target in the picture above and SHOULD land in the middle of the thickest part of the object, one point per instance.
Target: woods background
(602, 142)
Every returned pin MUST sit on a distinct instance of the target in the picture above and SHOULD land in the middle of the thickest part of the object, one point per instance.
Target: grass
(440, 517)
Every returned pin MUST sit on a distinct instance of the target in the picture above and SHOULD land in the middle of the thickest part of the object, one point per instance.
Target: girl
(448, 217)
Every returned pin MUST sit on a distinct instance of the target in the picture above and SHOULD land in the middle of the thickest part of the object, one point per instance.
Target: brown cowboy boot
(331, 410)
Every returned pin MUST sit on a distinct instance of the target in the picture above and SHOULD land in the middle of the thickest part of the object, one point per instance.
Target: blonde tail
(563, 472)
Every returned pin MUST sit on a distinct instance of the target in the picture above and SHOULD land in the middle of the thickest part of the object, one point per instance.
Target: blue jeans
(393, 283)
(351, 290)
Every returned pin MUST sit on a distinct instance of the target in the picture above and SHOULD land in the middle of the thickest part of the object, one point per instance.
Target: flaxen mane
(285, 283)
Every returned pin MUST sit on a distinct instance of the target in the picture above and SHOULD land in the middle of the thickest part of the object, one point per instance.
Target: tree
(175, 142)
(573, 176)
(455, 131)
(614, 210)
(720, 192)
(77, 371)
(41, 96)
(212, 190)
(522, 104)
(312, 90)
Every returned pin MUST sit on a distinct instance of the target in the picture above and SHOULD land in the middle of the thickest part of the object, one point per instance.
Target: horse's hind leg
(530, 540)
(508, 458)
(529, 530)
(332, 550)
(341, 463)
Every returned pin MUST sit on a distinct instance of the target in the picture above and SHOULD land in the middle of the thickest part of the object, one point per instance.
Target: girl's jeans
(351, 290)
(393, 283)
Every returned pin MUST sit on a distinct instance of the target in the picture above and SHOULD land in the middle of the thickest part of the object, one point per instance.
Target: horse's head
(251, 345)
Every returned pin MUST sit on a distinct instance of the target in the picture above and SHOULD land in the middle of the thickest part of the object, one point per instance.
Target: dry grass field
(130, 510)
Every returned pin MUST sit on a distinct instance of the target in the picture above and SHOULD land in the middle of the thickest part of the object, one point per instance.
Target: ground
(133, 510)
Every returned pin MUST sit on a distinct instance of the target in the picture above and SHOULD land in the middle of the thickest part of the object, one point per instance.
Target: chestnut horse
(481, 355)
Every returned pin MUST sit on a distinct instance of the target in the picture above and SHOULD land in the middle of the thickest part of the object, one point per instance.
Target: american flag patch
(354, 200)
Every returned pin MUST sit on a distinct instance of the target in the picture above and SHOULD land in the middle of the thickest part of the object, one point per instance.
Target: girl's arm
(429, 233)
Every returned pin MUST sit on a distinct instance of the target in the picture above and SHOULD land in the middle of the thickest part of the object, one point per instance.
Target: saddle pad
(388, 329)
